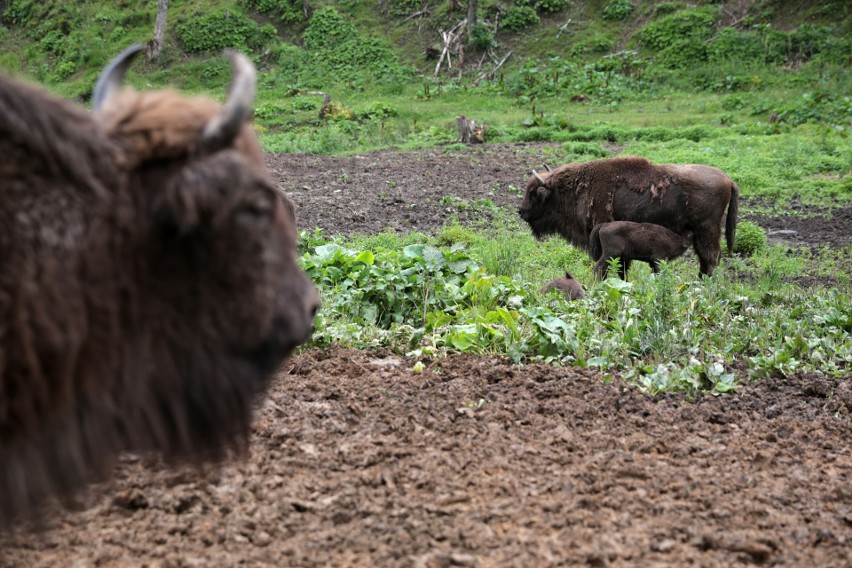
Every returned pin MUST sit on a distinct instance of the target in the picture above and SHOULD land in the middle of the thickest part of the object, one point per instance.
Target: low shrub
(750, 239)
(617, 10)
(518, 18)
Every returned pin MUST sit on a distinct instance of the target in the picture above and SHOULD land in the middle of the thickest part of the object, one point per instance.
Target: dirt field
(359, 461)
(404, 191)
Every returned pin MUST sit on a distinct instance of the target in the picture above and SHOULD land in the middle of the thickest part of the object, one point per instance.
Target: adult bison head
(537, 207)
(148, 281)
(219, 245)
(548, 210)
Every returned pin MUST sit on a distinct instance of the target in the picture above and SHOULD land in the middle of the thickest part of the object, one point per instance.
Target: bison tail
(731, 221)
(595, 250)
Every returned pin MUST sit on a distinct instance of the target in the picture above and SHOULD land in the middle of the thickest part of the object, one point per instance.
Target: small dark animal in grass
(570, 200)
(572, 289)
(149, 288)
(630, 241)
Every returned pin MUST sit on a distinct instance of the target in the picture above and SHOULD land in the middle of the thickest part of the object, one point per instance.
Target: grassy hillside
(704, 82)
(324, 43)
(707, 82)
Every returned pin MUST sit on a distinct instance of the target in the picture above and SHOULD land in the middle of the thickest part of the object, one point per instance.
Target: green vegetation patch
(750, 239)
(665, 332)
(216, 30)
(339, 51)
(680, 38)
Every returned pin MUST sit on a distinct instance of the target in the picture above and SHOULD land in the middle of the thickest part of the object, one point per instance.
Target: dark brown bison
(629, 241)
(148, 281)
(572, 289)
(572, 199)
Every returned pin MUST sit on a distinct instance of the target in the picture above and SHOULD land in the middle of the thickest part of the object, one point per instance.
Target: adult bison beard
(194, 407)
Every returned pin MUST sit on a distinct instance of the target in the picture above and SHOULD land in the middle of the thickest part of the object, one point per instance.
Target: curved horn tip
(538, 178)
(546, 167)
(112, 76)
(225, 126)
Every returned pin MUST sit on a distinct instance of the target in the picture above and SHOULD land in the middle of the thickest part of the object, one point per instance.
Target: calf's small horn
(112, 76)
(224, 127)
(538, 177)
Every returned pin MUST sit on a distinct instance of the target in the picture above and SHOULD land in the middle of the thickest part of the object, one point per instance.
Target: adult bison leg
(706, 244)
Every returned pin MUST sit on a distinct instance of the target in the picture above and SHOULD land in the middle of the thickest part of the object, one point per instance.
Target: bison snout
(309, 307)
(523, 213)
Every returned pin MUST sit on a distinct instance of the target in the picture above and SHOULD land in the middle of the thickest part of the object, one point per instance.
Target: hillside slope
(320, 42)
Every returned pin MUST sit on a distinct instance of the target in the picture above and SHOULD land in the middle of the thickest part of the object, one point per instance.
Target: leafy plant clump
(220, 29)
(482, 38)
(617, 9)
(550, 6)
(680, 38)
(750, 239)
(518, 18)
(289, 11)
(337, 50)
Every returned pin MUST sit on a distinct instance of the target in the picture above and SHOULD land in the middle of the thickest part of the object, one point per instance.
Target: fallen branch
(489, 74)
(565, 25)
(451, 44)
(418, 14)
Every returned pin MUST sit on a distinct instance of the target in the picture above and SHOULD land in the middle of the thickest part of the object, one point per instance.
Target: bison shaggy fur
(148, 282)
(571, 289)
(630, 241)
(570, 200)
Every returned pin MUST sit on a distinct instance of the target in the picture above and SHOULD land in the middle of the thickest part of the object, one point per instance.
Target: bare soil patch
(357, 460)
(405, 191)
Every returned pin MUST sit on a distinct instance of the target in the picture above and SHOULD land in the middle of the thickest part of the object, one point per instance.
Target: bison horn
(112, 76)
(225, 126)
(539, 178)
(546, 167)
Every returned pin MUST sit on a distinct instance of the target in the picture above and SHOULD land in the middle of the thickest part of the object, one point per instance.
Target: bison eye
(253, 211)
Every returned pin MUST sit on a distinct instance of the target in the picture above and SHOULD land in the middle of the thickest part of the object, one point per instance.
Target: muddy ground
(425, 189)
(357, 460)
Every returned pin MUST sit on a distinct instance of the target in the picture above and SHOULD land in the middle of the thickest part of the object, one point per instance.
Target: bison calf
(630, 241)
(572, 289)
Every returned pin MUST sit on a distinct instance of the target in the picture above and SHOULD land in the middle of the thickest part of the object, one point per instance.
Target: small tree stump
(469, 131)
(325, 109)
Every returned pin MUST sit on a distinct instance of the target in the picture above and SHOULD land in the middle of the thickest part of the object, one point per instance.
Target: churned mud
(359, 460)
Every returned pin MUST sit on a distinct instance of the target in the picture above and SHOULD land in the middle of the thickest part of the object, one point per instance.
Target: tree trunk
(156, 45)
(472, 5)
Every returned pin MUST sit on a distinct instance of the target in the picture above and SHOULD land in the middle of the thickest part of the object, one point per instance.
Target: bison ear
(195, 193)
(542, 193)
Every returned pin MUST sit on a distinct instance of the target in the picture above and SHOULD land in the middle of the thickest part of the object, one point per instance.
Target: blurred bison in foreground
(572, 199)
(572, 289)
(630, 241)
(148, 281)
